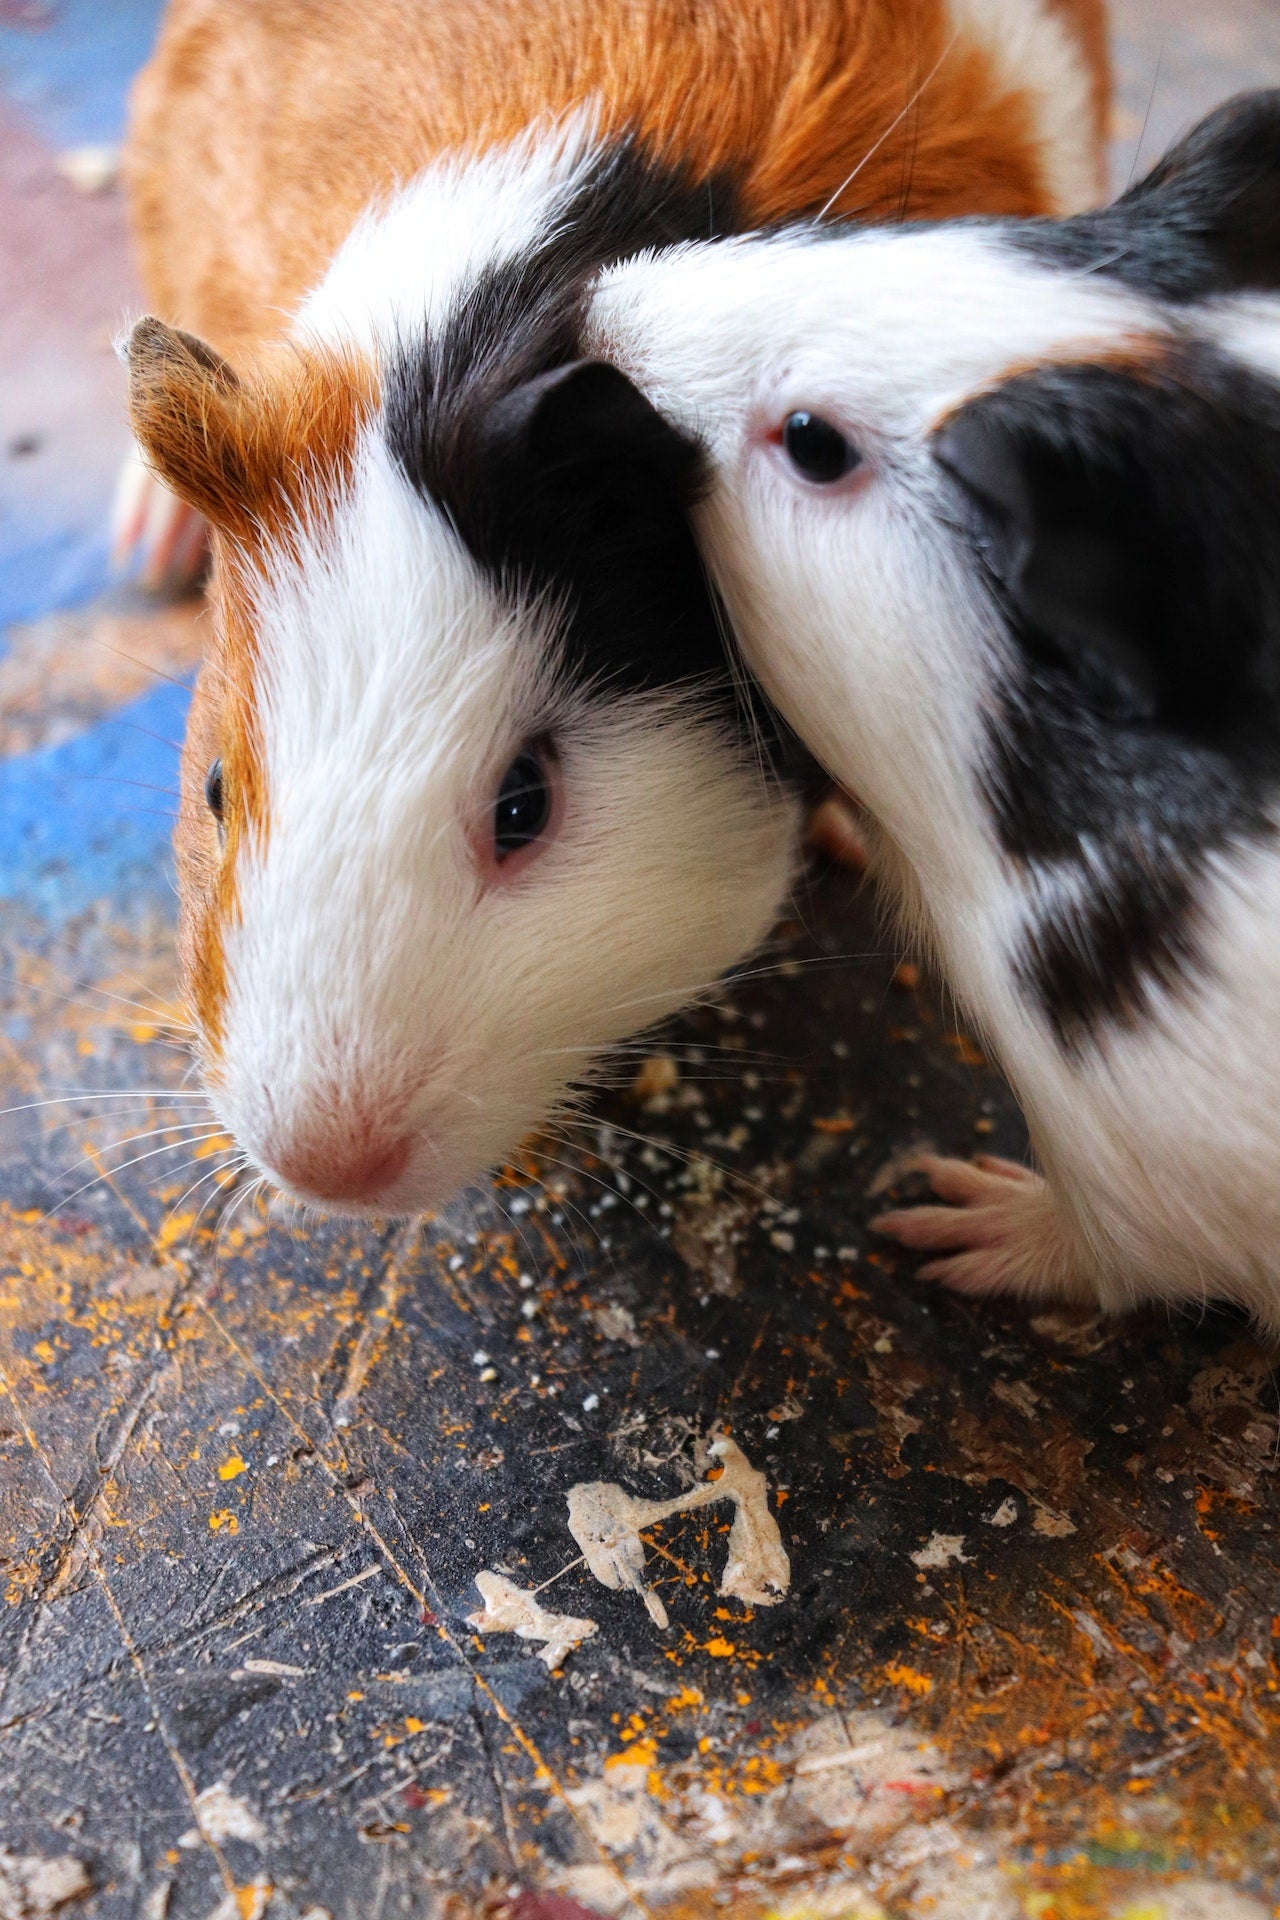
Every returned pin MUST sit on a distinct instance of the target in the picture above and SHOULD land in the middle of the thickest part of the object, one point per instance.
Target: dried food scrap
(606, 1521)
(32, 1886)
(512, 1609)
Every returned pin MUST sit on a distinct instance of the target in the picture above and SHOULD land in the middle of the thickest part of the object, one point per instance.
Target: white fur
(856, 605)
(1246, 325)
(714, 334)
(1034, 52)
(375, 980)
(405, 261)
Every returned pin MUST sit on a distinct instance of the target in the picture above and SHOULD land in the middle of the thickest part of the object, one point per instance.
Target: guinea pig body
(469, 790)
(996, 514)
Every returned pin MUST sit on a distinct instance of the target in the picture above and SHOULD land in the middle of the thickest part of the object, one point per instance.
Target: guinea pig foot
(154, 535)
(836, 830)
(1000, 1231)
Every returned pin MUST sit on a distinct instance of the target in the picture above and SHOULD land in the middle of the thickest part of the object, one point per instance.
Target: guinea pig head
(467, 795)
(994, 512)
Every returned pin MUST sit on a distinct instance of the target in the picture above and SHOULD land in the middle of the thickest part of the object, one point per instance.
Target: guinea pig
(468, 790)
(995, 510)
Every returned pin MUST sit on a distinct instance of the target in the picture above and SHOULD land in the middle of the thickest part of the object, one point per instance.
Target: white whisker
(109, 1173)
(895, 123)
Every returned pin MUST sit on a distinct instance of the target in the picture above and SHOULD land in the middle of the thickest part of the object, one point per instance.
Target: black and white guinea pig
(996, 512)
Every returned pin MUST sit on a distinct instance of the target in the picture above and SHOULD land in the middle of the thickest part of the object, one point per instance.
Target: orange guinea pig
(471, 789)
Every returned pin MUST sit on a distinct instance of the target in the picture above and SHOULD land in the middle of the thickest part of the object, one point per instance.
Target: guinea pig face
(894, 538)
(819, 373)
(442, 839)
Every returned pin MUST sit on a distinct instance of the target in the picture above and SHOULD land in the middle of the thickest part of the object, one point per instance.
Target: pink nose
(357, 1173)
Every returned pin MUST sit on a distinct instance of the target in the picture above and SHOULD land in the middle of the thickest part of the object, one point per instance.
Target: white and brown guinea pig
(995, 508)
(468, 792)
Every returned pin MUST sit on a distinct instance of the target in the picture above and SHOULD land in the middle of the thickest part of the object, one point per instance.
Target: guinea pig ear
(588, 417)
(1204, 221)
(151, 347)
(1069, 571)
(183, 406)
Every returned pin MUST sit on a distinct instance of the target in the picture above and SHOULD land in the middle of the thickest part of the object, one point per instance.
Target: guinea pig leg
(153, 531)
(1002, 1231)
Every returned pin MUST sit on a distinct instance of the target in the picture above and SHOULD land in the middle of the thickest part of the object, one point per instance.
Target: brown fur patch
(255, 453)
(1143, 356)
(260, 454)
(261, 133)
(223, 725)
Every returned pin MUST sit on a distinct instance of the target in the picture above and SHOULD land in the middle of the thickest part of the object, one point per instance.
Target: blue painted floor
(68, 63)
(74, 829)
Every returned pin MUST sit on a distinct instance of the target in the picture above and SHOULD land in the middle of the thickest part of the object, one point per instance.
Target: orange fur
(259, 455)
(254, 453)
(261, 132)
(224, 724)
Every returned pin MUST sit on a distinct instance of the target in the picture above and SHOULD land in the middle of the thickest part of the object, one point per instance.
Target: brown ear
(152, 345)
(186, 407)
(257, 454)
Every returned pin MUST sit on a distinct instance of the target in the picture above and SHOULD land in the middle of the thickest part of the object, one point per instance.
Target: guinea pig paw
(1000, 1230)
(835, 829)
(154, 535)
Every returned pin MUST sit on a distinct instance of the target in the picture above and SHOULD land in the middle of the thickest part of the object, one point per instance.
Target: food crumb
(656, 1076)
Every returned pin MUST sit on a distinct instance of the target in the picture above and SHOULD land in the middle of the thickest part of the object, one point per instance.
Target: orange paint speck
(903, 1676)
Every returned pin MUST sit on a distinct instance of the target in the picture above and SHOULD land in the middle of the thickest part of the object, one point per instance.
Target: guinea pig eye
(817, 449)
(522, 811)
(213, 790)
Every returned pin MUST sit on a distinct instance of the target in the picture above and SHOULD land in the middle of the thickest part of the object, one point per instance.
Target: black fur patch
(558, 476)
(1205, 221)
(1128, 519)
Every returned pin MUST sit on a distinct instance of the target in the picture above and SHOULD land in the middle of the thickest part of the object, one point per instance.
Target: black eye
(523, 806)
(213, 790)
(817, 449)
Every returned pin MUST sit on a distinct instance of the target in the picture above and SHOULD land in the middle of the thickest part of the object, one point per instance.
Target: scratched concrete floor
(1027, 1666)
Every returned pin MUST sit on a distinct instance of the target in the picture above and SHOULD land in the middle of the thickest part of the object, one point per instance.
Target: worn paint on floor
(1023, 1664)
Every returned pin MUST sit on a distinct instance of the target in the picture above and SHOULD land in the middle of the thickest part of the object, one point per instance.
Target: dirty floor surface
(920, 1608)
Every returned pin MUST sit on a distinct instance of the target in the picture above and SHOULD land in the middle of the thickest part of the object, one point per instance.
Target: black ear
(1077, 592)
(585, 484)
(1204, 221)
(1126, 518)
(587, 419)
